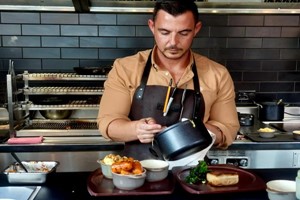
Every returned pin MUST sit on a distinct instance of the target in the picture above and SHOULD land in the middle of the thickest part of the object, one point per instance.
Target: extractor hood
(146, 6)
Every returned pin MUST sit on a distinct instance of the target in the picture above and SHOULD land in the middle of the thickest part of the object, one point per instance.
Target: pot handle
(259, 105)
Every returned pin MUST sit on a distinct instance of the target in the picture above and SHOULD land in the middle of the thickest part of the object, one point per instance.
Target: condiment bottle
(298, 185)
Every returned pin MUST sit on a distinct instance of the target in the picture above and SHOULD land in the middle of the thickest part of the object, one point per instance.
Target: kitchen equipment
(106, 169)
(247, 180)
(286, 127)
(50, 99)
(157, 170)
(19, 161)
(270, 111)
(92, 70)
(246, 119)
(56, 114)
(130, 181)
(37, 172)
(296, 134)
(281, 190)
(182, 139)
(97, 185)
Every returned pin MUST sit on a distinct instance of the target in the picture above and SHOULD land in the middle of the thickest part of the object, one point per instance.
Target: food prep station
(73, 136)
(75, 143)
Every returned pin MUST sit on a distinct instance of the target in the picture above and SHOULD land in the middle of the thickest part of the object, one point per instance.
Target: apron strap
(140, 90)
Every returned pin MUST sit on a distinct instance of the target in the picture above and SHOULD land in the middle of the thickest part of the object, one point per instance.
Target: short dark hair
(176, 7)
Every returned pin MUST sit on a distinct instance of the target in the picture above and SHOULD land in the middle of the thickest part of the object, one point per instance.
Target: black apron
(148, 101)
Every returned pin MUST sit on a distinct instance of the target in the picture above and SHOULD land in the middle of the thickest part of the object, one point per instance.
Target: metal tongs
(182, 102)
(18, 161)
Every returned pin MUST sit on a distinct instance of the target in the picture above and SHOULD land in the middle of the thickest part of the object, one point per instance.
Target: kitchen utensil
(157, 170)
(92, 70)
(56, 114)
(50, 100)
(19, 161)
(182, 139)
(271, 111)
(128, 182)
(106, 169)
(246, 119)
(247, 180)
(98, 186)
(281, 190)
(38, 172)
(182, 102)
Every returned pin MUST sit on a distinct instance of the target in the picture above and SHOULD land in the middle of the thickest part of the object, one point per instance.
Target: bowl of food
(157, 170)
(281, 190)
(266, 132)
(296, 134)
(106, 163)
(38, 172)
(128, 174)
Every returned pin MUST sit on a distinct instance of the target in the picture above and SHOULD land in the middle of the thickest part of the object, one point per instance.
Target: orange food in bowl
(126, 167)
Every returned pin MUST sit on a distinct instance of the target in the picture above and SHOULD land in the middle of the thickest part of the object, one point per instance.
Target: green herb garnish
(198, 173)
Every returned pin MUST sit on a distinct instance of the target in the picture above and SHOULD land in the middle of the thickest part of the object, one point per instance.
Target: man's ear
(151, 25)
(198, 27)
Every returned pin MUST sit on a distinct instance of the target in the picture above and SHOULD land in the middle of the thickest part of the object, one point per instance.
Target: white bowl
(128, 182)
(281, 190)
(106, 169)
(157, 170)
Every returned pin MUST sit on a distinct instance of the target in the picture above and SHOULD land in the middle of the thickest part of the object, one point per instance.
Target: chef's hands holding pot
(146, 129)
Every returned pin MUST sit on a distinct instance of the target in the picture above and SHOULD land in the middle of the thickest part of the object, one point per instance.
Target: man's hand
(146, 129)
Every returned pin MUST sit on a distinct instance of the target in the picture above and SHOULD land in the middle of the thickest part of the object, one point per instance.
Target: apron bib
(148, 101)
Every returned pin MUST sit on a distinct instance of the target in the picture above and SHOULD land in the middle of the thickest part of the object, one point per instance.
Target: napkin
(193, 159)
(25, 140)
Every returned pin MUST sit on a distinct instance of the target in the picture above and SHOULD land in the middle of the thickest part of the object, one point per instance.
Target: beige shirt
(216, 87)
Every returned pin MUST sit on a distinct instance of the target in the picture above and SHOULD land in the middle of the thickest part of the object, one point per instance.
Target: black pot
(182, 139)
(271, 111)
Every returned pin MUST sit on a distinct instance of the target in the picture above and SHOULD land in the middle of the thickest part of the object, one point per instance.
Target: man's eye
(164, 32)
(184, 33)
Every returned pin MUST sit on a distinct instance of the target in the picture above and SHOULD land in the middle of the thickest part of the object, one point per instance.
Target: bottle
(298, 185)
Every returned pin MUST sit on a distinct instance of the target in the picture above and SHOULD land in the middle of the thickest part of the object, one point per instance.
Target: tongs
(18, 161)
(182, 102)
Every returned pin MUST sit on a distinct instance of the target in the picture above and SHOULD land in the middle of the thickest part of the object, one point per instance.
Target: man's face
(174, 35)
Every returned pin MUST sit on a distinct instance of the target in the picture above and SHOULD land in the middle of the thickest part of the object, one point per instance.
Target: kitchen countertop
(73, 186)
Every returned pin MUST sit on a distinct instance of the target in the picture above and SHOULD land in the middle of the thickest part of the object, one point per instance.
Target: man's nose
(174, 39)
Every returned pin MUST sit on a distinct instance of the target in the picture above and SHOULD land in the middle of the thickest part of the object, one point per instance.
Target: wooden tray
(98, 185)
(247, 181)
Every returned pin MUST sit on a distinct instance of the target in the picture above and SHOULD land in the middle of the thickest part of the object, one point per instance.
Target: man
(138, 88)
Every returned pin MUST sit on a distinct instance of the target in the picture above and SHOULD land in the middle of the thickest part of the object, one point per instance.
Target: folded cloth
(25, 140)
